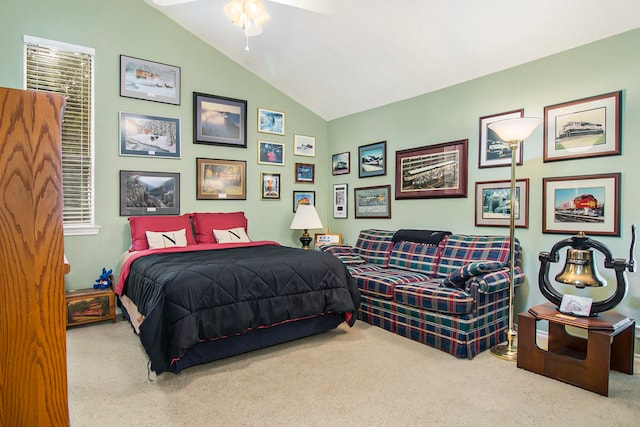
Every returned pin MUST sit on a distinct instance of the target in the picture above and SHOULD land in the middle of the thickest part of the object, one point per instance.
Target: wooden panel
(33, 371)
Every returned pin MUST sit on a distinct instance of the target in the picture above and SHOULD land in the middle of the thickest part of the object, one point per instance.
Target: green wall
(453, 114)
(135, 29)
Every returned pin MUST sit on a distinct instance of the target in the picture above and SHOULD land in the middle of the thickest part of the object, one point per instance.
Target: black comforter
(188, 297)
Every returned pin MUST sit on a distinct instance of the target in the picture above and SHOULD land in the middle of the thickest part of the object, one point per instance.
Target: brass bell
(579, 270)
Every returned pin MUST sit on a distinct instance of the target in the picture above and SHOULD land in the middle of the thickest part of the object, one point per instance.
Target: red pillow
(205, 222)
(141, 224)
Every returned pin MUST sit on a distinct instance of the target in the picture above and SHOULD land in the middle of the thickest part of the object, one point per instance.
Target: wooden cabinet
(33, 359)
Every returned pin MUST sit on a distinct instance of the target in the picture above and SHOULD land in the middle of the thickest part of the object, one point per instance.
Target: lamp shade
(515, 129)
(306, 218)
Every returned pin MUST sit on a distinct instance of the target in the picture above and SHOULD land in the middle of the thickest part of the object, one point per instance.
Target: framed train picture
(589, 203)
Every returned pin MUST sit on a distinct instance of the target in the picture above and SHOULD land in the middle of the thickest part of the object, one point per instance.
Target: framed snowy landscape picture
(150, 136)
(148, 80)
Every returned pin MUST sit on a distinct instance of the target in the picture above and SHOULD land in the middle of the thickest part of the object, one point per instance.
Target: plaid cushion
(458, 278)
(374, 246)
(430, 296)
(460, 250)
(413, 256)
(355, 269)
(381, 282)
(344, 253)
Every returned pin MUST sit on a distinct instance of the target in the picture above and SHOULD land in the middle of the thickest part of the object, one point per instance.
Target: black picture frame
(149, 136)
(149, 193)
(218, 120)
(372, 159)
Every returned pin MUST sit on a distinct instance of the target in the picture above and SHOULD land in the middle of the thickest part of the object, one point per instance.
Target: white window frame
(88, 227)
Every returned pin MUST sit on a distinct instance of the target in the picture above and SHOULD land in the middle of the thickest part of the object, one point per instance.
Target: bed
(196, 289)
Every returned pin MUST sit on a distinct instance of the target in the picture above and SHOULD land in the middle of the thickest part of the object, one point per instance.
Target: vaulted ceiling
(369, 53)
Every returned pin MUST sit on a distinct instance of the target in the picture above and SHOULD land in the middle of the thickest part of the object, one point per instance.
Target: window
(68, 70)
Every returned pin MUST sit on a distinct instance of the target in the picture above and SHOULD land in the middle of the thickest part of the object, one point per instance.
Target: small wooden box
(90, 305)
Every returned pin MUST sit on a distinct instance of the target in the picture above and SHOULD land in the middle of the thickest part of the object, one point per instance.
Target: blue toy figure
(104, 281)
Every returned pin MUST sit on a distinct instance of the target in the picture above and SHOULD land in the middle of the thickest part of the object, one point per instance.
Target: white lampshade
(515, 129)
(306, 218)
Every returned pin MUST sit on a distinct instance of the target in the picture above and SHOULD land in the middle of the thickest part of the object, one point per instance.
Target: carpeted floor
(360, 376)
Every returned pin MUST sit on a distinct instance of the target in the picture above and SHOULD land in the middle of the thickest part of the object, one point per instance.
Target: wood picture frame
(432, 171)
(270, 121)
(270, 186)
(340, 200)
(149, 80)
(304, 145)
(271, 153)
(493, 204)
(149, 193)
(218, 120)
(372, 202)
(303, 198)
(321, 239)
(341, 163)
(492, 151)
(219, 179)
(372, 159)
(588, 203)
(305, 173)
(583, 128)
(149, 136)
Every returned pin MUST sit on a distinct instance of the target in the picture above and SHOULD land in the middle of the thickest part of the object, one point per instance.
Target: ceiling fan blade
(170, 2)
(325, 7)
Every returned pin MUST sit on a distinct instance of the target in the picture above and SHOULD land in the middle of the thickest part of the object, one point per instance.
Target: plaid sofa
(452, 295)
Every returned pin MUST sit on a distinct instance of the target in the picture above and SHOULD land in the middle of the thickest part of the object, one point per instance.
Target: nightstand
(90, 305)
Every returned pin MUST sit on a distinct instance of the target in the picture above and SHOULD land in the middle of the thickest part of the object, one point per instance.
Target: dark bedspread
(188, 297)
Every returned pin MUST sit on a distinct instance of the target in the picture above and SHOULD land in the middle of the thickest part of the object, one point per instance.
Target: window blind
(68, 70)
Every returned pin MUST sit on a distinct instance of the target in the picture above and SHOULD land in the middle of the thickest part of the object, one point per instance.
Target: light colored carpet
(360, 376)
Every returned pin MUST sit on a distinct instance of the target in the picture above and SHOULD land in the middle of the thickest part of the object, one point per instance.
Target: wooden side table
(583, 362)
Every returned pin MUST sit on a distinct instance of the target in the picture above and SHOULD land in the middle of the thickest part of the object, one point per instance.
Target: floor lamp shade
(306, 218)
(517, 129)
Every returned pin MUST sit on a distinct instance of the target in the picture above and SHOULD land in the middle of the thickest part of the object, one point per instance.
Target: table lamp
(305, 218)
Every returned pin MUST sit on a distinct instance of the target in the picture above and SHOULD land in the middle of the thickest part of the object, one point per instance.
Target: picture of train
(574, 129)
(582, 208)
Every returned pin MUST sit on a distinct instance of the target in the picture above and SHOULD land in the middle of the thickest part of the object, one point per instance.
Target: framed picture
(148, 80)
(493, 152)
(304, 145)
(270, 121)
(438, 170)
(303, 198)
(270, 153)
(587, 127)
(589, 203)
(305, 172)
(218, 179)
(149, 193)
(270, 184)
(493, 203)
(340, 196)
(341, 163)
(219, 121)
(320, 239)
(373, 202)
(372, 159)
(151, 136)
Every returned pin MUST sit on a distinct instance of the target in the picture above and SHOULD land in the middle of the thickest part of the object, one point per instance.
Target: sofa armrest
(345, 253)
(459, 277)
(498, 280)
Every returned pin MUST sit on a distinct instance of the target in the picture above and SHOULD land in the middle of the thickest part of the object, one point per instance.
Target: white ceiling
(374, 52)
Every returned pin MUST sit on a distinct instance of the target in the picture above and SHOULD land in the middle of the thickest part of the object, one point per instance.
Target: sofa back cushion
(460, 249)
(412, 256)
(374, 246)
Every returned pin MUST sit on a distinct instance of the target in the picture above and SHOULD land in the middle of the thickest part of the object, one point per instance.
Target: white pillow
(232, 235)
(166, 239)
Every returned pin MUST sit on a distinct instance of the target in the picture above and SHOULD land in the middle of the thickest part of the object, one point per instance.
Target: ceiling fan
(325, 7)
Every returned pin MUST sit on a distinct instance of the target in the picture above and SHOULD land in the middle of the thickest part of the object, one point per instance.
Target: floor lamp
(514, 131)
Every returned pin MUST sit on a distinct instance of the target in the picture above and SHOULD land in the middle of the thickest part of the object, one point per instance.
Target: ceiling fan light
(234, 11)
